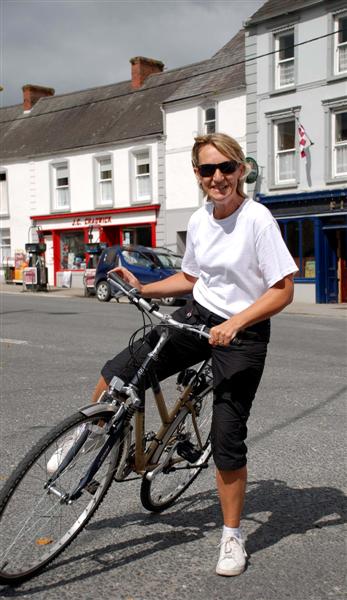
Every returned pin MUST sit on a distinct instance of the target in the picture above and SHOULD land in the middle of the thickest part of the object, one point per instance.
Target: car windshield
(171, 261)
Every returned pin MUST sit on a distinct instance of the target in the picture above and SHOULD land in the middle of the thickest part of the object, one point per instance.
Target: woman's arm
(270, 303)
(178, 284)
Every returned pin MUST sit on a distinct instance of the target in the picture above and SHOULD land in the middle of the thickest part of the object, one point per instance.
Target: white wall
(29, 188)
(182, 124)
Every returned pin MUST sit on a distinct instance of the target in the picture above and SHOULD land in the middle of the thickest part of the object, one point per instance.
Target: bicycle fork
(87, 479)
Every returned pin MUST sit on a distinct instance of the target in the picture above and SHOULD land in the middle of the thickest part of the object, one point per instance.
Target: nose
(218, 175)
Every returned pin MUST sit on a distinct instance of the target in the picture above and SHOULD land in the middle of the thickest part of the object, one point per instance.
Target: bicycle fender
(99, 407)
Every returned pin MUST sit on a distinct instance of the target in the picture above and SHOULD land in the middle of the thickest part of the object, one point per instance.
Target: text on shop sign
(91, 221)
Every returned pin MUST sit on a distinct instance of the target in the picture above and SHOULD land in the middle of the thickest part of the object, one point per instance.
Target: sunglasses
(226, 168)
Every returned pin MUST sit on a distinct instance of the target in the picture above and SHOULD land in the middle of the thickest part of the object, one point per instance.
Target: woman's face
(220, 188)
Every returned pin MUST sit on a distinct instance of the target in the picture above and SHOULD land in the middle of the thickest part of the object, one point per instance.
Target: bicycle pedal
(92, 486)
(188, 451)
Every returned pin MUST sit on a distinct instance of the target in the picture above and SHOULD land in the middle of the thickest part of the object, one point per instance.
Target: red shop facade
(66, 234)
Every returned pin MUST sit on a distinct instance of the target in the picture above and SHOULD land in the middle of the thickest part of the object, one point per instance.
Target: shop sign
(30, 276)
(87, 221)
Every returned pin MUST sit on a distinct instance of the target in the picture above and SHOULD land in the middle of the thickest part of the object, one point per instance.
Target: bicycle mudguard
(93, 409)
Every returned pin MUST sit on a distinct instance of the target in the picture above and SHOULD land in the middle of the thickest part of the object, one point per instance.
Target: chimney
(33, 93)
(141, 68)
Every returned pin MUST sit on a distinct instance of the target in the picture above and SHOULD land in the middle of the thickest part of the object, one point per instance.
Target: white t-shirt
(236, 259)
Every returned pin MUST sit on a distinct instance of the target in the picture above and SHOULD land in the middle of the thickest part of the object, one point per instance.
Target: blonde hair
(226, 145)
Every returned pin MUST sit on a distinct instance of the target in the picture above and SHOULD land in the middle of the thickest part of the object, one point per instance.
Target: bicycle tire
(35, 524)
(160, 489)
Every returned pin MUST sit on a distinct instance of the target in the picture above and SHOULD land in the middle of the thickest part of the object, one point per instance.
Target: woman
(240, 273)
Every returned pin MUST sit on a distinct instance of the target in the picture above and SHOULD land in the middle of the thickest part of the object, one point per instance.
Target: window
(299, 237)
(135, 258)
(61, 192)
(4, 209)
(142, 168)
(285, 168)
(339, 143)
(209, 120)
(104, 191)
(5, 246)
(284, 59)
(72, 254)
(340, 26)
(137, 235)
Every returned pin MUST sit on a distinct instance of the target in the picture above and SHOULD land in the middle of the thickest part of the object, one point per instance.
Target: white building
(112, 164)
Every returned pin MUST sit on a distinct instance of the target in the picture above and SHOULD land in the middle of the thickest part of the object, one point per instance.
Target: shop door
(342, 264)
(330, 266)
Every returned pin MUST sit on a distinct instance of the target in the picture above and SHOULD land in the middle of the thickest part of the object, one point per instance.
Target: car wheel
(103, 291)
(169, 301)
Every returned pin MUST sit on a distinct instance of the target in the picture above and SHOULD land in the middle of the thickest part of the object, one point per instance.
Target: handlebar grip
(123, 285)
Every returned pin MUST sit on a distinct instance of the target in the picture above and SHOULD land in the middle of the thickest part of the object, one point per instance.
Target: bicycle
(41, 513)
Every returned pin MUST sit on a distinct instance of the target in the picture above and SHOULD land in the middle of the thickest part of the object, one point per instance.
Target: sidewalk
(299, 308)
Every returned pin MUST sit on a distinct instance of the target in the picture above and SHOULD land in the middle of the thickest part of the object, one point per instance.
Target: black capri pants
(237, 370)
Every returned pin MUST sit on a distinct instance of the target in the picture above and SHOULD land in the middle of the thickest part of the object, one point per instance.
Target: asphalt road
(52, 349)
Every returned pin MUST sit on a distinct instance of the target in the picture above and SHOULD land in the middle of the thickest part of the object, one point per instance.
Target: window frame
(273, 119)
(337, 45)
(54, 195)
(335, 145)
(331, 108)
(277, 35)
(135, 155)
(3, 245)
(6, 213)
(98, 181)
(207, 121)
(279, 152)
(300, 220)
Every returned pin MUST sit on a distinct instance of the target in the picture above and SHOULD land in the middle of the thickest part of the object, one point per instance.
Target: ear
(197, 175)
(242, 171)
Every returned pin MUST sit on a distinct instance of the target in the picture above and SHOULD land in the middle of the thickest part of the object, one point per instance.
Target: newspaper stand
(35, 275)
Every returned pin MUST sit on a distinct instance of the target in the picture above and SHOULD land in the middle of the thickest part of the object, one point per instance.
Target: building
(110, 164)
(296, 73)
(212, 98)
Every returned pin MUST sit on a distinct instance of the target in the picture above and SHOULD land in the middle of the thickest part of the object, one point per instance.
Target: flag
(302, 140)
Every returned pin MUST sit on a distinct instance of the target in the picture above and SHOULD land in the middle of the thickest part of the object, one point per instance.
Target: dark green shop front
(314, 226)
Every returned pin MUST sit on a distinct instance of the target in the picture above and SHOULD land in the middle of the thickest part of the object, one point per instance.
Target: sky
(73, 45)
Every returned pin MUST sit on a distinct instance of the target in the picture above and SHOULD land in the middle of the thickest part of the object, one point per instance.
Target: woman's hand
(223, 334)
(128, 277)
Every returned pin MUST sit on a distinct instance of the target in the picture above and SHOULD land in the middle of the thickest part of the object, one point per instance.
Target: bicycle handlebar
(135, 297)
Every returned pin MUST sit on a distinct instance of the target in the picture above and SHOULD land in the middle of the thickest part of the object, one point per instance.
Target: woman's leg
(101, 387)
(231, 487)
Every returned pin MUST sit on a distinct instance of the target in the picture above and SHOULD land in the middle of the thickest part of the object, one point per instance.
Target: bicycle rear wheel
(181, 457)
(37, 521)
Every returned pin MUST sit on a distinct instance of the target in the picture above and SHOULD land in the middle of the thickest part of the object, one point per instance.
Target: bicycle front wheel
(183, 454)
(37, 519)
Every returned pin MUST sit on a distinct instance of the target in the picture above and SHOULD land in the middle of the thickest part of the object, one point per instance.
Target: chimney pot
(32, 93)
(141, 68)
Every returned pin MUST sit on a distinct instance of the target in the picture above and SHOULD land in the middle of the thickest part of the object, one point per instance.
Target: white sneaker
(95, 439)
(232, 557)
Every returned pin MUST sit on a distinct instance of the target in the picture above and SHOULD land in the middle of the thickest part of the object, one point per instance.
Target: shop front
(67, 234)
(314, 226)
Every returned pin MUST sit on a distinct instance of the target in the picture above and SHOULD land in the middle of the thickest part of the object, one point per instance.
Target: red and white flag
(303, 138)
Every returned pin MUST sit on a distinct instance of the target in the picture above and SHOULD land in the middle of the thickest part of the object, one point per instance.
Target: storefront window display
(299, 237)
(72, 255)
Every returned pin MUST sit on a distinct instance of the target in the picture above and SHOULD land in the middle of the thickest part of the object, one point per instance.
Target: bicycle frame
(136, 392)
(144, 458)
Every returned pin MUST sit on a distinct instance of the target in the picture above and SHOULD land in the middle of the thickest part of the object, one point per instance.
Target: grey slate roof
(113, 113)
(275, 8)
(224, 71)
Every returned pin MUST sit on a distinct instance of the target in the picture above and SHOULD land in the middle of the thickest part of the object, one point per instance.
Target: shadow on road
(288, 511)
